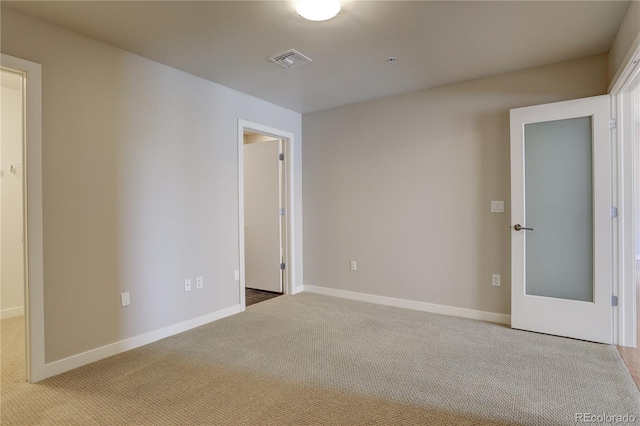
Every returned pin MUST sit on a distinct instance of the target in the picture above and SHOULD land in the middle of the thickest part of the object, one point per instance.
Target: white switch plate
(495, 280)
(199, 282)
(187, 284)
(236, 275)
(124, 299)
(354, 265)
(497, 207)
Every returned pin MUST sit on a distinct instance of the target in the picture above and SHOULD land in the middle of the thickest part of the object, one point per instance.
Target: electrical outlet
(354, 265)
(495, 280)
(187, 285)
(199, 282)
(124, 299)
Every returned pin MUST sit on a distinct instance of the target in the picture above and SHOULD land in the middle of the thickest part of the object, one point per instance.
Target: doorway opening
(263, 217)
(33, 358)
(12, 249)
(631, 354)
(264, 214)
(626, 99)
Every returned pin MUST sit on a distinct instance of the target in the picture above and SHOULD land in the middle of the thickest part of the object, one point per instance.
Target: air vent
(289, 59)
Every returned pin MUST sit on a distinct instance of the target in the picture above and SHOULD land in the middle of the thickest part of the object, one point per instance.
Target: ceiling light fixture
(318, 10)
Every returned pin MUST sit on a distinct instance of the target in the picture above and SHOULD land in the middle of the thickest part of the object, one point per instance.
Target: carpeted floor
(310, 359)
(11, 352)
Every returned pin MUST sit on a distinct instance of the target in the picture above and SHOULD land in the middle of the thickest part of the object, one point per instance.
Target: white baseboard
(410, 304)
(12, 312)
(75, 361)
(296, 290)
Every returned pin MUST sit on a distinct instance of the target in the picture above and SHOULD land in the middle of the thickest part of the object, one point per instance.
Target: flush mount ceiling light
(318, 10)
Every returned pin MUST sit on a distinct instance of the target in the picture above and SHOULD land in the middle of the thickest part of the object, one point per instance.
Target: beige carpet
(310, 359)
(11, 351)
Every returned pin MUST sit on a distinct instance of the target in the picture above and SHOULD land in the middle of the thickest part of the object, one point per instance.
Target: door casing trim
(624, 193)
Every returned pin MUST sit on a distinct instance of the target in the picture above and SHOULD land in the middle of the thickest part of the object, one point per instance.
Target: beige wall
(140, 187)
(628, 33)
(403, 185)
(11, 218)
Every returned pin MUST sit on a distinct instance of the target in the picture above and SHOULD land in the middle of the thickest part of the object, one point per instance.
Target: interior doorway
(264, 216)
(33, 358)
(631, 353)
(627, 102)
(12, 249)
(262, 220)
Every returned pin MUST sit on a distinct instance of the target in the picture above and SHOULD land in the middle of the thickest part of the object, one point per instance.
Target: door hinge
(281, 157)
(613, 124)
(281, 212)
(614, 212)
(282, 265)
(614, 300)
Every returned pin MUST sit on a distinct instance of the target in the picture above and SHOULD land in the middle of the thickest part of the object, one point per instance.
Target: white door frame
(32, 196)
(289, 283)
(628, 77)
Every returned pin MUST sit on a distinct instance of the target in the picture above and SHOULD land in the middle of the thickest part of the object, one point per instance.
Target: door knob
(519, 227)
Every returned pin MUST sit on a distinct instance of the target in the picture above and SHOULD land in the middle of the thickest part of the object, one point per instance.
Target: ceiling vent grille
(289, 59)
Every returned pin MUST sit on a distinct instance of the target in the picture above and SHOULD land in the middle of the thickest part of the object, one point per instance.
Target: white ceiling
(435, 42)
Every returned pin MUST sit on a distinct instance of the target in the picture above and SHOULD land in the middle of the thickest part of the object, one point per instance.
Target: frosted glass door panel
(559, 207)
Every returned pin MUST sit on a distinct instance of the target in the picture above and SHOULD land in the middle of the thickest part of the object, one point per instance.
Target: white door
(561, 190)
(262, 216)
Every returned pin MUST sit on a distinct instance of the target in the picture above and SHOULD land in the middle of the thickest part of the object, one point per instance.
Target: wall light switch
(199, 282)
(495, 280)
(497, 207)
(354, 265)
(236, 275)
(187, 285)
(124, 299)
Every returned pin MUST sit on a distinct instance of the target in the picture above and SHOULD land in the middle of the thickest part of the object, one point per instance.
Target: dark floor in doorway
(256, 296)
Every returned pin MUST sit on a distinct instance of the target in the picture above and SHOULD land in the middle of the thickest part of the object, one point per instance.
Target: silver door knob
(519, 227)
